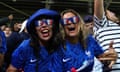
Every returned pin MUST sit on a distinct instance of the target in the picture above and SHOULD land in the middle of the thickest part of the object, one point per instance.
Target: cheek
(50, 27)
(77, 27)
(37, 29)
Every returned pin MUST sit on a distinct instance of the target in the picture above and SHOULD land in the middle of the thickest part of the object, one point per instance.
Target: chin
(46, 39)
(72, 35)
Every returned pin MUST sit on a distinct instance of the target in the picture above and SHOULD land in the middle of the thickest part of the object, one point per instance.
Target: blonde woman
(79, 46)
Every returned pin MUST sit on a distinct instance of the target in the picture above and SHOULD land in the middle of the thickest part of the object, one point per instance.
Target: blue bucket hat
(41, 12)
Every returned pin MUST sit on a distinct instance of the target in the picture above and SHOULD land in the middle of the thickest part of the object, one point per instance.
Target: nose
(69, 22)
(44, 24)
(91, 26)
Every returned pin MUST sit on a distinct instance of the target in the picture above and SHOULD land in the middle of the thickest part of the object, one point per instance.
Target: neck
(43, 43)
(73, 40)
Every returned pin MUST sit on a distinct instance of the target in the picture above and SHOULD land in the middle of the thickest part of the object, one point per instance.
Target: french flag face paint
(73, 20)
(45, 21)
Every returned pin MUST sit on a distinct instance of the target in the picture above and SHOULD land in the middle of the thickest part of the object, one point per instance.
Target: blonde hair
(83, 32)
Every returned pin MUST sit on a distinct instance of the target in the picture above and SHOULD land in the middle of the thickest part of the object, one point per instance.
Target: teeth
(45, 31)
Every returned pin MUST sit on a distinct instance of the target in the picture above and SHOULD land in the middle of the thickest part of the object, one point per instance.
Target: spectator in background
(7, 31)
(16, 39)
(89, 24)
(3, 27)
(6, 19)
(16, 26)
(107, 29)
(3, 48)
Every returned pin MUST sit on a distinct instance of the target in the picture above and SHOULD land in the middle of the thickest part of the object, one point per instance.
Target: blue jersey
(2, 43)
(81, 59)
(23, 57)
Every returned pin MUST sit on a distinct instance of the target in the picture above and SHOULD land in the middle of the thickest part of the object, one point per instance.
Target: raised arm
(98, 8)
(100, 19)
(5, 19)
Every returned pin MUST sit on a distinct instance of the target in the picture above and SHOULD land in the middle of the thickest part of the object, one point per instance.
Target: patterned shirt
(105, 32)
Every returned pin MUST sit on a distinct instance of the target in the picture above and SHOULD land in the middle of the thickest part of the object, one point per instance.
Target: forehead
(68, 15)
(88, 24)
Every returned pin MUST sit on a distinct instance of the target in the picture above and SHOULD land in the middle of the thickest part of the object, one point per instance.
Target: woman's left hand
(111, 55)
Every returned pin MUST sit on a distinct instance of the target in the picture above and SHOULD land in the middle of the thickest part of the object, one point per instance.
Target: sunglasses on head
(73, 20)
(45, 21)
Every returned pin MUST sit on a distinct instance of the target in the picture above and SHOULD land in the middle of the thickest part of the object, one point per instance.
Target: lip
(44, 32)
(71, 29)
(43, 28)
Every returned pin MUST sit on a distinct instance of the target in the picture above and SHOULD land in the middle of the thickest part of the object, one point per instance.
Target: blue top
(81, 59)
(23, 57)
(2, 42)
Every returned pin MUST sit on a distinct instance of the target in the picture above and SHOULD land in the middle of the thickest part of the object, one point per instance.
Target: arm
(2, 47)
(18, 59)
(5, 19)
(100, 19)
(11, 69)
(111, 55)
(1, 59)
(98, 9)
(111, 58)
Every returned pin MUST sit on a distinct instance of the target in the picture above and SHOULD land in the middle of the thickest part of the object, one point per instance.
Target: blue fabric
(13, 42)
(40, 12)
(23, 57)
(3, 48)
(77, 57)
(88, 18)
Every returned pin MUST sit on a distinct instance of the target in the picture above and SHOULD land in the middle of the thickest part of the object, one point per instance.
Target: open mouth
(71, 28)
(45, 32)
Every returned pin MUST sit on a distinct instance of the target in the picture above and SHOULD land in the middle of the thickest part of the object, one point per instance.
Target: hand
(111, 55)
(10, 17)
(19, 25)
(112, 52)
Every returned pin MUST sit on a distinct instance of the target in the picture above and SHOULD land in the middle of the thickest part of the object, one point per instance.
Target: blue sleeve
(19, 57)
(96, 47)
(3, 47)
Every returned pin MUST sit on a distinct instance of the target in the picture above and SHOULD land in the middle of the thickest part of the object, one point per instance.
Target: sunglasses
(45, 21)
(73, 20)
